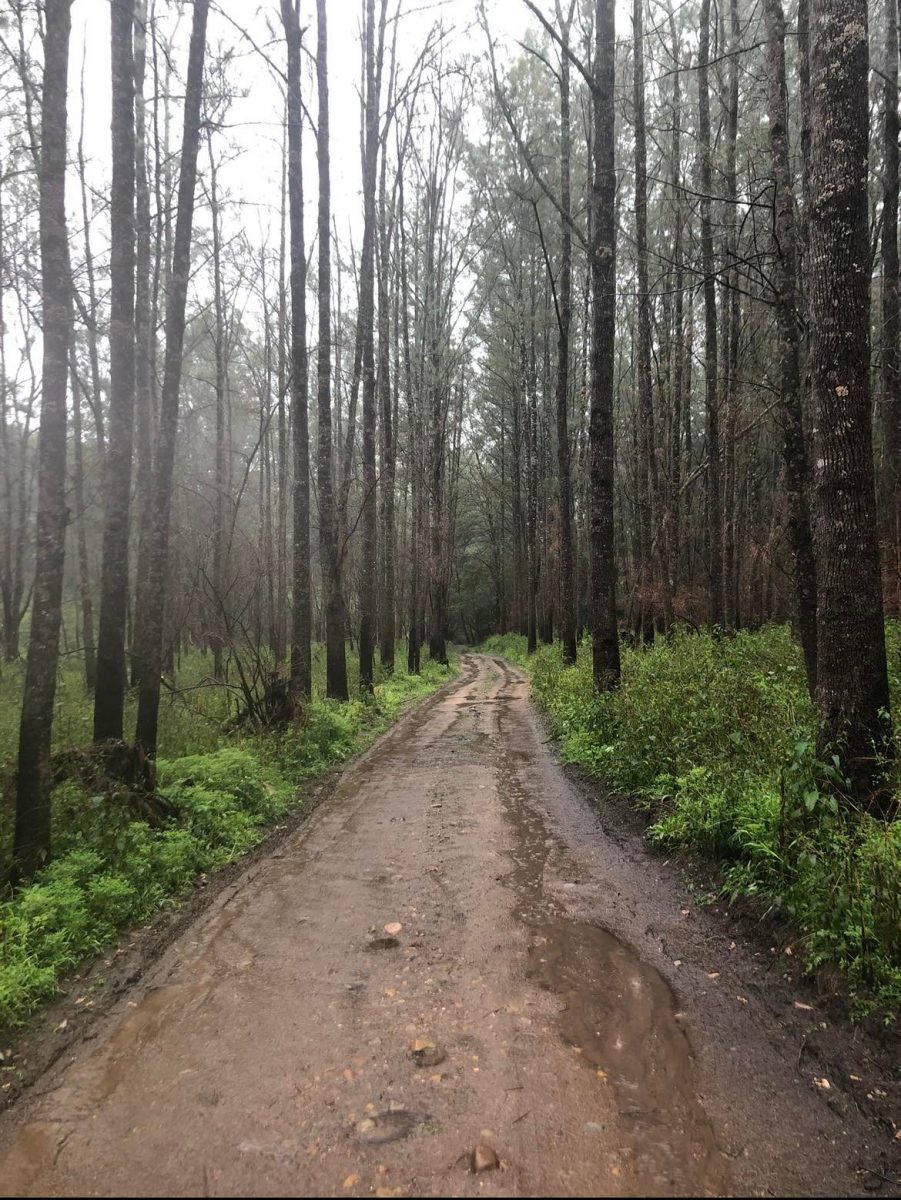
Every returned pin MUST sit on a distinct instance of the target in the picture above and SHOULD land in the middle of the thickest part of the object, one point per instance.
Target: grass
(110, 870)
(716, 739)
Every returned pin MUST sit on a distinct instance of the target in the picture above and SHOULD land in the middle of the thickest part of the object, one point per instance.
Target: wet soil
(553, 993)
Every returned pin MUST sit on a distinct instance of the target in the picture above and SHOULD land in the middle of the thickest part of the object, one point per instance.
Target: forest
(342, 343)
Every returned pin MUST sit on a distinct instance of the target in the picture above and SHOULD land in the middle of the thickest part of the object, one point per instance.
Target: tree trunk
(605, 635)
(891, 367)
(109, 697)
(145, 336)
(84, 573)
(714, 510)
(329, 553)
(567, 603)
(31, 842)
(793, 443)
(852, 681)
(151, 652)
(647, 483)
(369, 564)
(301, 651)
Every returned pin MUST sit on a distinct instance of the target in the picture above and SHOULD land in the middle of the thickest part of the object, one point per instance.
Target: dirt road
(571, 1010)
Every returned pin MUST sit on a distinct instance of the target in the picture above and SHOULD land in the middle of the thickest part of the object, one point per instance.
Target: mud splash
(617, 1012)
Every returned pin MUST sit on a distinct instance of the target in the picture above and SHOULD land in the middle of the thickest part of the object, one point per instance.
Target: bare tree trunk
(31, 842)
(145, 335)
(714, 509)
(852, 680)
(329, 552)
(731, 329)
(109, 697)
(647, 483)
(368, 576)
(301, 653)
(567, 603)
(84, 572)
(151, 652)
(216, 632)
(388, 471)
(605, 635)
(891, 367)
(793, 443)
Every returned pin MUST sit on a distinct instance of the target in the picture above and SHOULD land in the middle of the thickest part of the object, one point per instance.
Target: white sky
(253, 176)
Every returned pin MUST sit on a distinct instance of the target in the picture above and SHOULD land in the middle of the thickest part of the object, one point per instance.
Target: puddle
(619, 1015)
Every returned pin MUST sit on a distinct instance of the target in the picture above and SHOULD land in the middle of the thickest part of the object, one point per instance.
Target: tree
(109, 695)
(329, 550)
(714, 510)
(891, 307)
(852, 679)
(151, 651)
(372, 72)
(301, 652)
(602, 257)
(567, 608)
(788, 320)
(31, 845)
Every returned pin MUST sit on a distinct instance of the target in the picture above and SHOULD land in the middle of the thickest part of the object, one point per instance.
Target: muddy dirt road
(560, 995)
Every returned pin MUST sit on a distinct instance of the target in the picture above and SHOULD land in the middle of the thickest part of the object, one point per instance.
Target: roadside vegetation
(715, 739)
(220, 793)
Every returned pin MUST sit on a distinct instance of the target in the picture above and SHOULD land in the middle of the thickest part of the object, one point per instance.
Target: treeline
(600, 352)
(213, 471)
(730, 454)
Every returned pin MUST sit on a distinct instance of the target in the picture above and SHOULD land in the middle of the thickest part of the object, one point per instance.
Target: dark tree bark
(714, 509)
(731, 313)
(891, 320)
(793, 441)
(145, 335)
(84, 573)
(647, 460)
(852, 680)
(109, 696)
(602, 590)
(387, 480)
(301, 652)
(151, 652)
(31, 841)
(329, 552)
(369, 563)
(567, 602)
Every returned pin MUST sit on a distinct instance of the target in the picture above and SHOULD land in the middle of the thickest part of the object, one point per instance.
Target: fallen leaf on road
(484, 1158)
(391, 992)
(351, 1181)
(393, 928)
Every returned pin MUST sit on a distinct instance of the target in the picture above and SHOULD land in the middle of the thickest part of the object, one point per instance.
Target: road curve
(272, 1051)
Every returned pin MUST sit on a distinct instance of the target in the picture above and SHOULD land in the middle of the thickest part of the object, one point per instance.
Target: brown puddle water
(618, 1013)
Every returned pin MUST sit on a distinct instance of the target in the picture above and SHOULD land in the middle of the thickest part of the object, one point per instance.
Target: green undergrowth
(715, 738)
(110, 870)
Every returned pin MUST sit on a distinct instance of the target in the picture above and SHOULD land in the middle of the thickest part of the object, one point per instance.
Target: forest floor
(457, 950)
